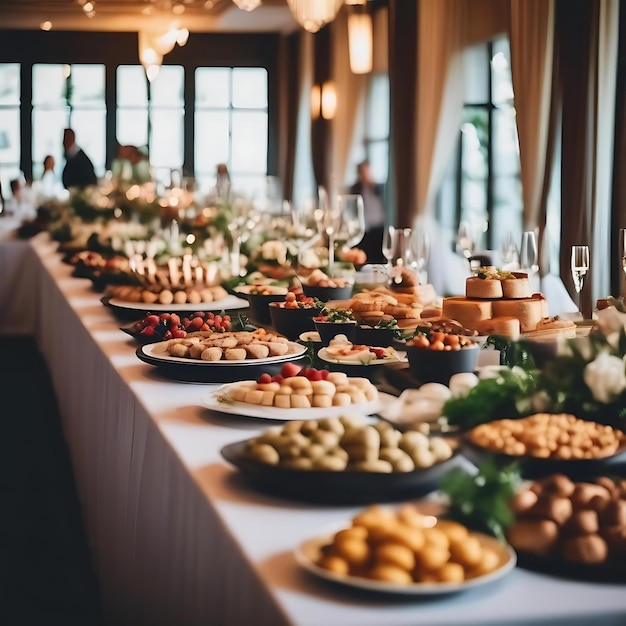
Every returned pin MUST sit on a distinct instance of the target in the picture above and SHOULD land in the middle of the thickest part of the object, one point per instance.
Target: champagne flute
(509, 254)
(421, 246)
(465, 242)
(389, 244)
(529, 253)
(580, 267)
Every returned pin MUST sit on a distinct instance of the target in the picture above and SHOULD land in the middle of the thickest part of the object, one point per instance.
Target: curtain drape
(440, 92)
(532, 44)
(588, 35)
(350, 93)
(290, 103)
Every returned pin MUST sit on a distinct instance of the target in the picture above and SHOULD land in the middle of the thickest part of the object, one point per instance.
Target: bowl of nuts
(293, 315)
(435, 356)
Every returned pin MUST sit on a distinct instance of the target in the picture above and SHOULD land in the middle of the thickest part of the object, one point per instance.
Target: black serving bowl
(370, 336)
(324, 294)
(292, 322)
(329, 330)
(259, 303)
(437, 366)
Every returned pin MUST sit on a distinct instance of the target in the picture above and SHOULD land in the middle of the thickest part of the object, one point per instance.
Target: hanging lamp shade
(313, 14)
(360, 42)
(247, 5)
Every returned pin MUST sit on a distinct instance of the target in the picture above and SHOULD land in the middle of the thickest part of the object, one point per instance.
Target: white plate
(229, 302)
(307, 554)
(396, 357)
(311, 335)
(156, 352)
(275, 413)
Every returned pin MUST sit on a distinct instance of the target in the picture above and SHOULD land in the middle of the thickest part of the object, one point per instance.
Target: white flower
(605, 377)
(274, 251)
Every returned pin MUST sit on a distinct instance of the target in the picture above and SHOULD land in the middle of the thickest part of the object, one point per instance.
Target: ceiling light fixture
(313, 14)
(154, 45)
(360, 38)
(248, 5)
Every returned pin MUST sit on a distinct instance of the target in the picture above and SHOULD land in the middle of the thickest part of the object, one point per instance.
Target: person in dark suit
(78, 170)
(373, 194)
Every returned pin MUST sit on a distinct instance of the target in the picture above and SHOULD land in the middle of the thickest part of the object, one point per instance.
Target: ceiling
(134, 15)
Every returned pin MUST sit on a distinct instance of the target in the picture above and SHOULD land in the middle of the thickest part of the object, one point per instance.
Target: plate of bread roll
(572, 528)
(402, 551)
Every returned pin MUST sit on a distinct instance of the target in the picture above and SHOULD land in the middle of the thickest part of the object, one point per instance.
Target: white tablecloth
(178, 538)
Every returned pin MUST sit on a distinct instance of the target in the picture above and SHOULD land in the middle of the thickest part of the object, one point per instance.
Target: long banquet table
(177, 537)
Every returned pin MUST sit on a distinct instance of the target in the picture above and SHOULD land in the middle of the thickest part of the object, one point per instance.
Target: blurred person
(131, 165)
(222, 181)
(373, 194)
(49, 187)
(19, 204)
(78, 170)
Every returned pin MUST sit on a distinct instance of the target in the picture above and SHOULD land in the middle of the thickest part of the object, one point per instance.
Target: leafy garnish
(480, 501)
(511, 352)
(506, 395)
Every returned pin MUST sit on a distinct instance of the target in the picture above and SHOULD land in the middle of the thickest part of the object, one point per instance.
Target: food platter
(196, 370)
(227, 303)
(347, 487)
(394, 357)
(216, 402)
(308, 553)
(535, 467)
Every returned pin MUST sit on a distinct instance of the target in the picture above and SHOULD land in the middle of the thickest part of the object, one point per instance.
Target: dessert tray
(217, 401)
(196, 370)
(229, 302)
(347, 487)
(309, 552)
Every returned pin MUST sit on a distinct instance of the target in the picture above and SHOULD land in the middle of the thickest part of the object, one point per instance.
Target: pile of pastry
(299, 392)
(157, 294)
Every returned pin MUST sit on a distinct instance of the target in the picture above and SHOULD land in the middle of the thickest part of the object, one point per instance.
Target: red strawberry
(314, 375)
(178, 333)
(324, 374)
(265, 378)
(148, 331)
(151, 320)
(277, 378)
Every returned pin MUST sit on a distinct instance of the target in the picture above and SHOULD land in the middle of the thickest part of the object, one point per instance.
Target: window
(377, 126)
(9, 125)
(231, 126)
(68, 96)
(152, 115)
(482, 186)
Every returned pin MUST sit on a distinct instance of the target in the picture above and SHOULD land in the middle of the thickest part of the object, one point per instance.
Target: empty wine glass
(509, 254)
(465, 242)
(529, 253)
(580, 267)
(389, 245)
(350, 226)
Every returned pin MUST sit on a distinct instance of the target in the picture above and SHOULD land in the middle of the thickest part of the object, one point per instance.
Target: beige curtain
(532, 49)
(440, 87)
(588, 74)
(350, 94)
(303, 180)
(607, 60)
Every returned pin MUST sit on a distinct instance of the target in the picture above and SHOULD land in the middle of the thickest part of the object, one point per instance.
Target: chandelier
(313, 14)
(247, 5)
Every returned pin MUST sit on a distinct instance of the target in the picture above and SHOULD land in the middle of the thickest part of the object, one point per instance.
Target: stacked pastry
(500, 303)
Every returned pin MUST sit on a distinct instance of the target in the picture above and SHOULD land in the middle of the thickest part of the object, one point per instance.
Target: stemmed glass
(622, 256)
(465, 242)
(350, 220)
(580, 267)
(529, 253)
(400, 250)
(242, 222)
(509, 254)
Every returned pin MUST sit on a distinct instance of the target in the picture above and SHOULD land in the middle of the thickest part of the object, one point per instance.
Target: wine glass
(350, 220)
(421, 250)
(529, 253)
(580, 267)
(509, 254)
(465, 242)
(389, 244)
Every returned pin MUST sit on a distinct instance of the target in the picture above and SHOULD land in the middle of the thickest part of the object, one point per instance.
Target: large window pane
(132, 86)
(9, 84)
(377, 122)
(87, 85)
(213, 87)
(48, 125)
(10, 135)
(477, 74)
(250, 88)
(132, 127)
(49, 85)
(502, 82)
(249, 142)
(167, 88)
(212, 145)
(166, 139)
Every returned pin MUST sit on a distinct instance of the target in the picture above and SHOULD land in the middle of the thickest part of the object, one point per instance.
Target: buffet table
(178, 537)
